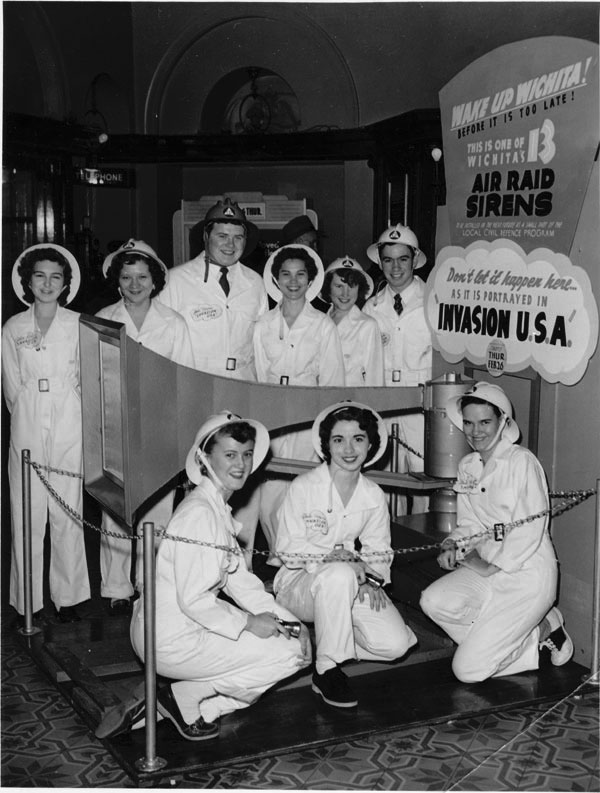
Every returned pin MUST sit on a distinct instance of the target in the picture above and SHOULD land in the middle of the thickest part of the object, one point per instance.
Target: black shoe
(119, 607)
(333, 687)
(68, 614)
(200, 730)
(123, 716)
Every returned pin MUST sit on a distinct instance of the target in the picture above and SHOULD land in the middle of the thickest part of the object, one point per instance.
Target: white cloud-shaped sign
(494, 304)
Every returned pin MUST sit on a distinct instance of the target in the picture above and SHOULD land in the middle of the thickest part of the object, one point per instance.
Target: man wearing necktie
(218, 296)
(407, 350)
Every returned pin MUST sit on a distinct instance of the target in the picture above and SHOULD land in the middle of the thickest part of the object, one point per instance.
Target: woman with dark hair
(496, 601)
(346, 287)
(294, 344)
(223, 653)
(136, 272)
(326, 579)
(40, 377)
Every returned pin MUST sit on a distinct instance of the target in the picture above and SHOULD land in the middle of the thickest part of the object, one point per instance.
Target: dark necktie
(398, 304)
(224, 281)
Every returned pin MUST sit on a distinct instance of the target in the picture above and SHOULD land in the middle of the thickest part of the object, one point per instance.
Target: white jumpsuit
(312, 520)
(494, 620)
(163, 331)
(362, 348)
(221, 328)
(407, 353)
(200, 638)
(41, 386)
(307, 354)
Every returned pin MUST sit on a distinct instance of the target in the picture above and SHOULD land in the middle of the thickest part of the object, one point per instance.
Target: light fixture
(436, 153)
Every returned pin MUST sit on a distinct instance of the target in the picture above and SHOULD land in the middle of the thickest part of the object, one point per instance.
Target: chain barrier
(498, 531)
(400, 442)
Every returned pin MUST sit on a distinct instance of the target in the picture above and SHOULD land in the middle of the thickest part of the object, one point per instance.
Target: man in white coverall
(219, 297)
(40, 379)
(223, 654)
(407, 350)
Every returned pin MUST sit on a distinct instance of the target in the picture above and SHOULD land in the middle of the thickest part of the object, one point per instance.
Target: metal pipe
(594, 675)
(150, 762)
(395, 465)
(27, 629)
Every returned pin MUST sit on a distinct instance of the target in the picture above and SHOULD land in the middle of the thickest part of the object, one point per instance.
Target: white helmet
(134, 246)
(346, 263)
(214, 424)
(488, 392)
(383, 436)
(397, 234)
(75, 272)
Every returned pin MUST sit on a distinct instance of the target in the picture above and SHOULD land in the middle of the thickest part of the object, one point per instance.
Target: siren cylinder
(445, 444)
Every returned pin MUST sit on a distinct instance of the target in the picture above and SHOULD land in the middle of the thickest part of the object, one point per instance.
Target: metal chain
(395, 439)
(574, 497)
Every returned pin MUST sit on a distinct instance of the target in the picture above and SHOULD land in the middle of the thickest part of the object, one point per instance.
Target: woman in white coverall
(40, 377)
(324, 513)
(345, 285)
(496, 603)
(139, 275)
(222, 654)
(294, 344)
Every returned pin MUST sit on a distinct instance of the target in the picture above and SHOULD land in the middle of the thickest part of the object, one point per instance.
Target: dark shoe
(120, 607)
(200, 730)
(68, 614)
(333, 687)
(558, 642)
(123, 716)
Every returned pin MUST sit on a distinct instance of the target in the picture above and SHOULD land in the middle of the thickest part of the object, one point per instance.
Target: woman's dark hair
(350, 277)
(285, 254)
(366, 421)
(471, 400)
(119, 260)
(30, 259)
(240, 431)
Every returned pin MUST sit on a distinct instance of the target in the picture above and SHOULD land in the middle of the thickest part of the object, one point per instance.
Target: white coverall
(312, 520)
(200, 638)
(307, 354)
(494, 620)
(362, 348)
(41, 386)
(221, 327)
(407, 354)
(163, 331)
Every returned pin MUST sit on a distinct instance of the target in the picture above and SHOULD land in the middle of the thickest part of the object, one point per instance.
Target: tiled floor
(542, 747)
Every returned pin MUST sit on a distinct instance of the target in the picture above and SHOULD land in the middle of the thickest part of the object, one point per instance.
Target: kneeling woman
(324, 581)
(496, 602)
(222, 654)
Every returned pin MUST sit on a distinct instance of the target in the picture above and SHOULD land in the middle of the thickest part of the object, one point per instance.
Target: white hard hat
(489, 392)
(346, 263)
(134, 246)
(315, 286)
(397, 234)
(214, 424)
(383, 436)
(75, 271)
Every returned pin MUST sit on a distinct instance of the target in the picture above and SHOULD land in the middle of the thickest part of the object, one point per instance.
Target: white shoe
(558, 640)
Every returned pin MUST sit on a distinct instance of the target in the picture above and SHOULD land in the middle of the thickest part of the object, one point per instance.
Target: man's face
(225, 243)
(309, 238)
(397, 263)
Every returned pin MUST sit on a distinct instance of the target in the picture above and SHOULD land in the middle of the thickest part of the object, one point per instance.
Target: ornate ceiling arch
(292, 46)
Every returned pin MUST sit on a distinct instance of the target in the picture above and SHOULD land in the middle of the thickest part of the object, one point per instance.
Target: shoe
(123, 716)
(558, 641)
(119, 607)
(199, 730)
(67, 614)
(333, 687)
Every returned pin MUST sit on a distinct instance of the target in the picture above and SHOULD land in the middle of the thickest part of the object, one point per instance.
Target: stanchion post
(27, 629)
(395, 465)
(594, 671)
(150, 762)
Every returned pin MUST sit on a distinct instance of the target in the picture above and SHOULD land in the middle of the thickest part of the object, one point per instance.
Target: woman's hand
(264, 625)
(305, 645)
(377, 597)
(447, 558)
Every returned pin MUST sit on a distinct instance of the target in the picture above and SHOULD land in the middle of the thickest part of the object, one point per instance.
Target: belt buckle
(43, 384)
(284, 380)
(231, 364)
(396, 375)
